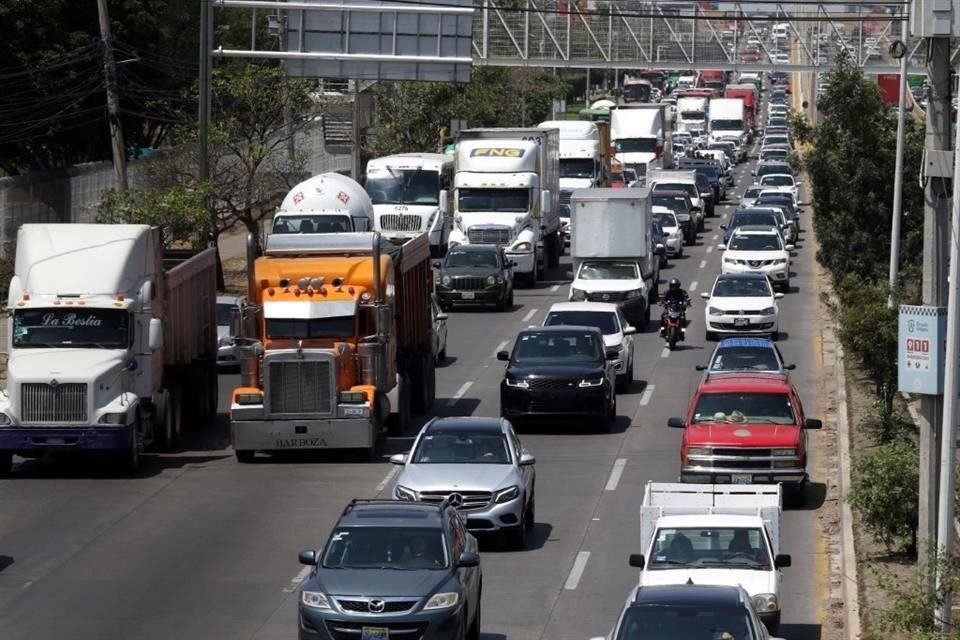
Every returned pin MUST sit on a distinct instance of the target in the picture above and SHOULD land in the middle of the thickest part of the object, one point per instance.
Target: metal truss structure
(672, 35)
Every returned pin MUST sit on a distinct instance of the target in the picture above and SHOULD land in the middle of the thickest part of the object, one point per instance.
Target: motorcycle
(673, 323)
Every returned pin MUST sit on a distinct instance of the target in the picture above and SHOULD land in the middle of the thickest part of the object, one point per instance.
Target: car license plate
(374, 633)
(742, 478)
(741, 322)
(467, 295)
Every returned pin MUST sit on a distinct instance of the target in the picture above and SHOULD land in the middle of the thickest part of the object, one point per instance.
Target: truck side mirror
(813, 423)
(444, 205)
(545, 202)
(675, 423)
(637, 560)
(782, 560)
(155, 334)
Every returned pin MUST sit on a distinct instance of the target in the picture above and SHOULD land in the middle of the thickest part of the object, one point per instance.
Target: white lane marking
(615, 474)
(665, 353)
(576, 572)
(388, 478)
(703, 263)
(500, 347)
(716, 236)
(710, 249)
(297, 579)
(693, 286)
(647, 394)
(530, 315)
(554, 287)
(459, 394)
(26, 585)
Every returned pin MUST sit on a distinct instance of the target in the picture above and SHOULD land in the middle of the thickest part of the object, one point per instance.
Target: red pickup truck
(745, 428)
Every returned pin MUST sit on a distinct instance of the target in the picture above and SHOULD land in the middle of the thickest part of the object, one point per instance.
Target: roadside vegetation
(850, 163)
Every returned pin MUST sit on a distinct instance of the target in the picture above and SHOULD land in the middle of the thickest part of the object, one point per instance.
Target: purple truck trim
(67, 438)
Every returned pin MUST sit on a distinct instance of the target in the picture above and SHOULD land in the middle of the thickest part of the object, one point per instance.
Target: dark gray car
(393, 570)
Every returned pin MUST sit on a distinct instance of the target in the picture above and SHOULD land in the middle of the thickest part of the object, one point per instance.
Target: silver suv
(480, 467)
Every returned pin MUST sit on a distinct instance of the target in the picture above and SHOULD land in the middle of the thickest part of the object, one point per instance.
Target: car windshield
(556, 347)
(684, 622)
(774, 154)
(755, 242)
(768, 169)
(472, 258)
(735, 407)
(225, 313)
(404, 186)
(673, 202)
(666, 219)
(606, 321)
(777, 139)
(745, 358)
(701, 547)
(400, 548)
(778, 200)
(312, 224)
(462, 447)
(765, 219)
(608, 271)
(741, 288)
(777, 180)
(75, 329)
(753, 192)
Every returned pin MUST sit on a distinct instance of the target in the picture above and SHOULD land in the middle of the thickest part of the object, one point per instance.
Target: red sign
(298, 197)
(343, 197)
(889, 87)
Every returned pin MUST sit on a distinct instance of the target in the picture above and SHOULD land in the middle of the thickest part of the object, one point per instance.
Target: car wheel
(531, 514)
(510, 299)
(623, 383)
(474, 633)
(517, 536)
(680, 251)
(244, 456)
(6, 463)
(709, 336)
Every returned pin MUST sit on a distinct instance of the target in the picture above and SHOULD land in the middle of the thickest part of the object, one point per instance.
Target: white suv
(756, 249)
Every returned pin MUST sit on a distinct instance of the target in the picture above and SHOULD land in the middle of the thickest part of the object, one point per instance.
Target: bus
(636, 90)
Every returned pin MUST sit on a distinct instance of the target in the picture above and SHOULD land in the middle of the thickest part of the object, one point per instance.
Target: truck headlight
(491, 280)
(506, 495)
(522, 246)
(113, 419)
(248, 399)
(403, 493)
(763, 602)
(699, 451)
(445, 281)
(786, 451)
(636, 293)
(314, 600)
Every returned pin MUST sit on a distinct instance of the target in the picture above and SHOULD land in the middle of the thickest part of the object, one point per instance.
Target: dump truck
(345, 322)
(112, 342)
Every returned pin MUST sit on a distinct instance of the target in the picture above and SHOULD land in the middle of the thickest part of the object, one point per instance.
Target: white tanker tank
(327, 203)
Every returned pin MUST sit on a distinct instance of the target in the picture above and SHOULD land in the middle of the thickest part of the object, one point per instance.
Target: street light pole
(898, 171)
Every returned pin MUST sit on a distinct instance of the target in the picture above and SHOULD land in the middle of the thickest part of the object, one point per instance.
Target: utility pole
(356, 170)
(206, 71)
(113, 101)
(898, 171)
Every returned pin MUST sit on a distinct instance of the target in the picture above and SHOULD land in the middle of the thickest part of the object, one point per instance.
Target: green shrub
(884, 492)
(911, 603)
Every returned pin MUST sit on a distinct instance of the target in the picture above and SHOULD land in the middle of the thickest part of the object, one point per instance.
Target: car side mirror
(723, 226)
(442, 316)
(789, 367)
(637, 560)
(777, 295)
(629, 331)
(721, 247)
(789, 247)
(813, 423)
(612, 354)
(705, 295)
(527, 459)
(782, 560)
(675, 423)
(570, 274)
(701, 367)
(469, 559)
(398, 458)
(798, 184)
(155, 334)
(308, 557)
(503, 355)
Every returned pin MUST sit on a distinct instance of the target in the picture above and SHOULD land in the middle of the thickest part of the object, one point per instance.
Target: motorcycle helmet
(674, 284)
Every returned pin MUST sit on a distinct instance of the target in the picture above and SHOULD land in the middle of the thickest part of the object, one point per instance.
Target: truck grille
(468, 283)
(606, 296)
(300, 387)
(489, 235)
(400, 222)
(468, 500)
(565, 197)
(42, 403)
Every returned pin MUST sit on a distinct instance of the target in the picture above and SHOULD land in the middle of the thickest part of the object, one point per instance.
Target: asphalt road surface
(201, 547)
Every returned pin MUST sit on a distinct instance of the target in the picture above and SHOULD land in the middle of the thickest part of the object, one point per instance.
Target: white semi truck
(641, 137)
(715, 534)
(112, 342)
(613, 254)
(410, 196)
(326, 203)
(728, 121)
(507, 189)
(692, 114)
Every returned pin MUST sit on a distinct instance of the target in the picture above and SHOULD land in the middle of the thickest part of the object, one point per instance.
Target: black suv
(559, 371)
(393, 570)
(476, 274)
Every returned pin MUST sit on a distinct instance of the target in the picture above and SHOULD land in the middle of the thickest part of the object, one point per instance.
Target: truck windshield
(312, 224)
(404, 186)
(639, 92)
(576, 168)
(507, 200)
(734, 547)
(608, 271)
(735, 407)
(679, 621)
(693, 116)
(86, 329)
(636, 145)
(336, 327)
(727, 125)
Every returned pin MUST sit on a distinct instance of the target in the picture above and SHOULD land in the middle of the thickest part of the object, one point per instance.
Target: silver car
(479, 465)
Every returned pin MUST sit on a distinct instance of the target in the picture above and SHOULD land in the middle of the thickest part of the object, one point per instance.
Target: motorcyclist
(675, 293)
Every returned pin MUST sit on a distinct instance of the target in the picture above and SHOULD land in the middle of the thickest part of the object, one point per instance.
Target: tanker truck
(326, 203)
(345, 322)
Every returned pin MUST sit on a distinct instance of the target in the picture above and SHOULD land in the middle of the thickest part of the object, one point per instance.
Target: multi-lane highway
(200, 547)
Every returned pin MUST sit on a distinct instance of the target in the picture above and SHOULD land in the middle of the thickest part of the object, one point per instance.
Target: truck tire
(244, 456)
(165, 432)
(556, 246)
(213, 391)
(418, 386)
(130, 458)
(6, 463)
(400, 421)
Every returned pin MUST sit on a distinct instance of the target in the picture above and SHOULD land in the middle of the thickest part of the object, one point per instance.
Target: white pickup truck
(714, 534)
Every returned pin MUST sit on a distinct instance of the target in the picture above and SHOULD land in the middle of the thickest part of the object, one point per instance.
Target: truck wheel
(6, 463)
(401, 419)
(165, 423)
(245, 456)
(130, 459)
(213, 391)
(420, 391)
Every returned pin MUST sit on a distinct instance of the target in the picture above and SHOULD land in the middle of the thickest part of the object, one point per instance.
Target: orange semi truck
(345, 321)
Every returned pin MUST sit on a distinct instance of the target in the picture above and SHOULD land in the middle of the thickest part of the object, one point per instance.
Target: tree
(884, 491)
(179, 212)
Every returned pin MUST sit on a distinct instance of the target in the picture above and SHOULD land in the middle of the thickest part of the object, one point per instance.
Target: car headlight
(769, 311)
(780, 261)
(763, 602)
(786, 451)
(113, 418)
(491, 280)
(577, 294)
(715, 311)
(729, 261)
(314, 600)
(520, 384)
(590, 382)
(522, 246)
(445, 281)
(506, 495)
(442, 601)
(403, 493)
(636, 293)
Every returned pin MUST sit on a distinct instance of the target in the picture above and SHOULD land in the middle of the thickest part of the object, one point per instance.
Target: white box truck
(641, 137)
(715, 534)
(112, 342)
(507, 189)
(409, 193)
(613, 254)
(728, 121)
